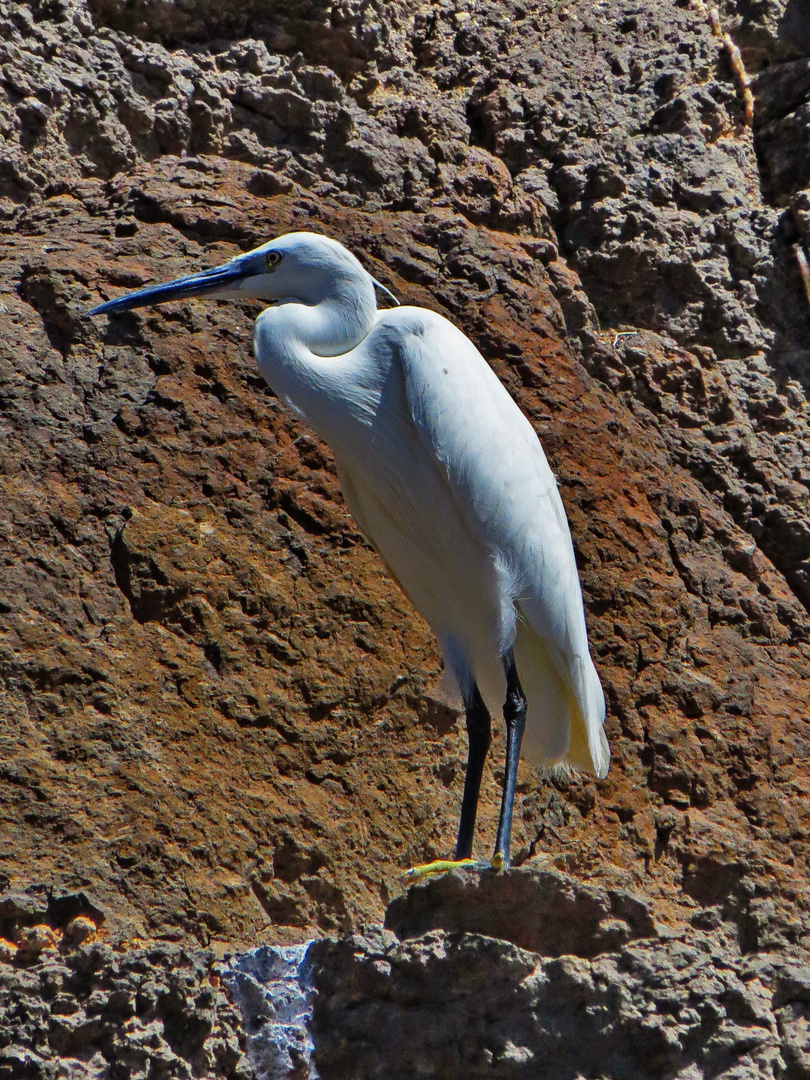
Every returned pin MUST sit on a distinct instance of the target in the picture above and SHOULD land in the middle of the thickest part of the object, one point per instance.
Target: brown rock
(542, 911)
(214, 704)
(81, 929)
(36, 939)
(466, 1004)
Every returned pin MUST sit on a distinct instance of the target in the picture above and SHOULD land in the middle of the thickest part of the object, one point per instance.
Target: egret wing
(500, 480)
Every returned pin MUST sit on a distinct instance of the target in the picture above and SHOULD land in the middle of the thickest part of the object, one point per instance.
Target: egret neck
(294, 342)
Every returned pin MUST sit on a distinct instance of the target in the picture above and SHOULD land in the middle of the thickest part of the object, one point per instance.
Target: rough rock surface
(527, 974)
(216, 715)
(272, 990)
(72, 1006)
(671, 1003)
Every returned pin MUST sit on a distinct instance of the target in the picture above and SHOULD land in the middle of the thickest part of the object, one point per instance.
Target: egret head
(299, 266)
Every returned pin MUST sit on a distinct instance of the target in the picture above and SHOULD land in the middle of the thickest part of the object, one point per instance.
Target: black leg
(478, 737)
(514, 713)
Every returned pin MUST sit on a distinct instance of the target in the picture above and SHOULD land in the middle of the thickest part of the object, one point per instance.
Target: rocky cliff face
(216, 710)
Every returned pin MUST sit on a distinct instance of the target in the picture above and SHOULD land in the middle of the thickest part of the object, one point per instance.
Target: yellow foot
(441, 866)
(498, 861)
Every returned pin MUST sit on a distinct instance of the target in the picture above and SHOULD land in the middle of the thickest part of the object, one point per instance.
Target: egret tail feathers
(565, 711)
(589, 748)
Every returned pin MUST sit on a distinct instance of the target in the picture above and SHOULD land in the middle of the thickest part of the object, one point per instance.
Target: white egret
(447, 479)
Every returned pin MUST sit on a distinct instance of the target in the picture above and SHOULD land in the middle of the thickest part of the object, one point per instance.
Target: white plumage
(444, 475)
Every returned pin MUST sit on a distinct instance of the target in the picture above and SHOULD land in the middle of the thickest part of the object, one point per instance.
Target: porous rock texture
(218, 720)
(468, 989)
(95, 1011)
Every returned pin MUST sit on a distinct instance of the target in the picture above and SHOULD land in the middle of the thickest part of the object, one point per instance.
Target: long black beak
(209, 281)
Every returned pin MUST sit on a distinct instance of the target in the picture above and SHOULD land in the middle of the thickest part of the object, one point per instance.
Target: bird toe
(442, 866)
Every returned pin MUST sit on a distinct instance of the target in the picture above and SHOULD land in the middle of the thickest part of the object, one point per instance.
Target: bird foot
(442, 866)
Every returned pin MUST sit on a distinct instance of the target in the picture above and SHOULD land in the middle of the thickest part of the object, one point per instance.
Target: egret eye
(272, 259)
